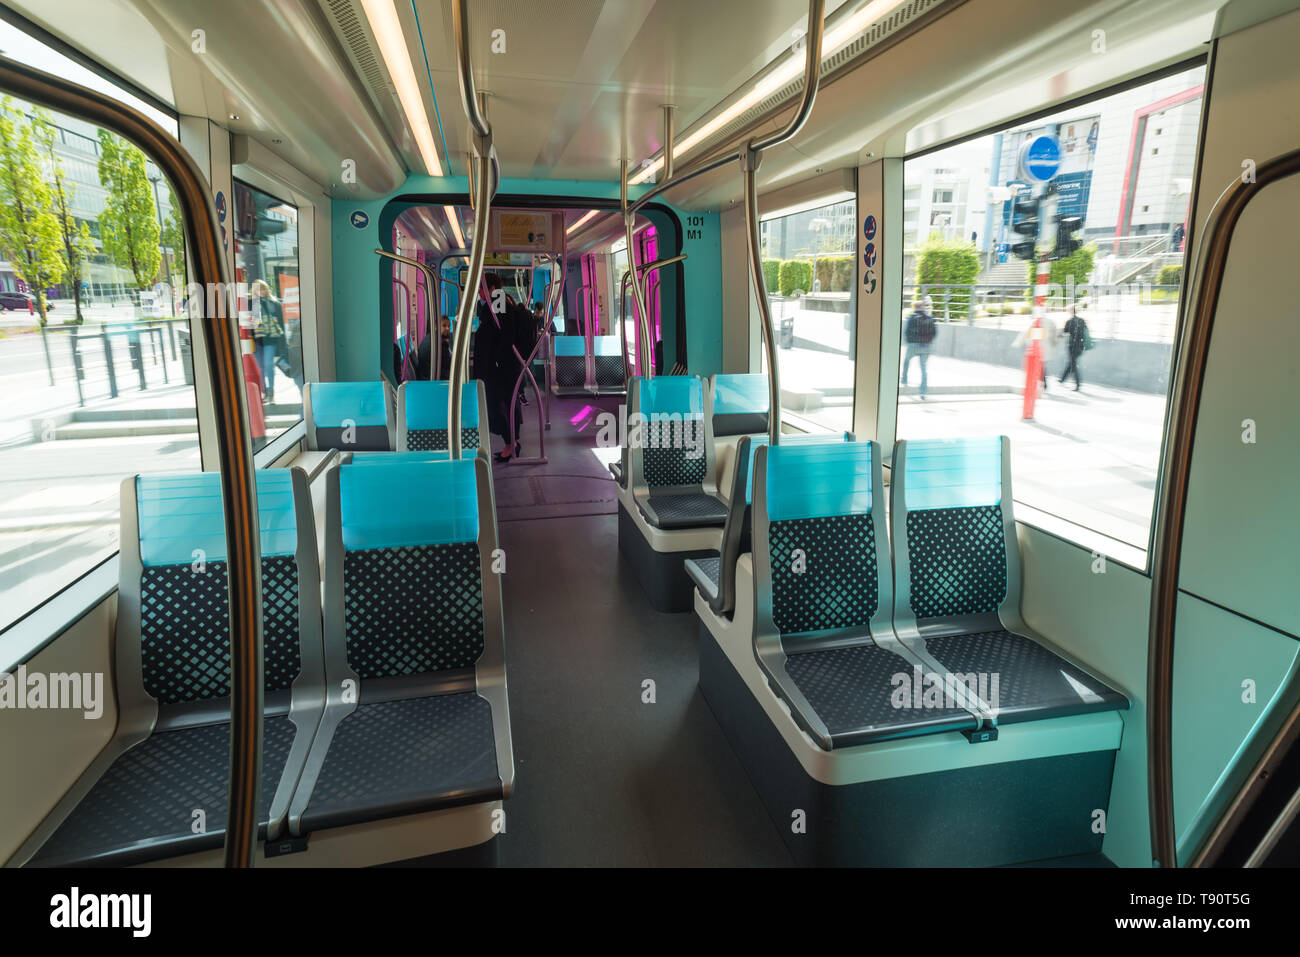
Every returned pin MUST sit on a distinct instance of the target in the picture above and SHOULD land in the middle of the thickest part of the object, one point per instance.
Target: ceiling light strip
(836, 39)
(382, 15)
(433, 94)
(453, 218)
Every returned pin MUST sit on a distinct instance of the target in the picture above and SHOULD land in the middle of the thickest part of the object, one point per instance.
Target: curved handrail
(646, 270)
(435, 326)
(1185, 398)
(811, 76)
(225, 364)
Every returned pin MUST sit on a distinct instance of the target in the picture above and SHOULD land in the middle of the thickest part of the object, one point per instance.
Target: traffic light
(1024, 220)
(1066, 244)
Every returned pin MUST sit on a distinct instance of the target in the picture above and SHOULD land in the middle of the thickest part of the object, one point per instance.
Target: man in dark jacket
(495, 363)
(918, 332)
(1077, 340)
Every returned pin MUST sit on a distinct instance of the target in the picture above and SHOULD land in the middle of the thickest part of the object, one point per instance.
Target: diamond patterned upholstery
(834, 584)
(185, 629)
(413, 610)
(435, 440)
(674, 465)
(609, 371)
(958, 560)
(570, 371)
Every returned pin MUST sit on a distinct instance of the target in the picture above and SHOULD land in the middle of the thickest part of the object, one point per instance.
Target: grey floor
(603, 778)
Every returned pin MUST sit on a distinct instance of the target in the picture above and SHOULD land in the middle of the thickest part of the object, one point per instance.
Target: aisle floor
(603, 777)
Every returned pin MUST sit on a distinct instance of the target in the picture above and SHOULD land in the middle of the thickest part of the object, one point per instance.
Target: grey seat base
(661, 574)
(389, 758)
(148, 803)
(684, 510)
(1032, 681)
(1012, 812)
(852, 689)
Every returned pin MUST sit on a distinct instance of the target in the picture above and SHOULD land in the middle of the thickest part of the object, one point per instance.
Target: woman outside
(268, 335)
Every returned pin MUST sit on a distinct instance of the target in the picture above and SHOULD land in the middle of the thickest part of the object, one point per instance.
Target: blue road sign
(359, 219)
(1041, 158)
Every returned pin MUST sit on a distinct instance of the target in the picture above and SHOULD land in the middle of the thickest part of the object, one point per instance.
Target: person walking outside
(1078, 341)
(918, 332)
(268, 335)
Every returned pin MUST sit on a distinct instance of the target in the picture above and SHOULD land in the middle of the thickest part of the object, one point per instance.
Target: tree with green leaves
(128, 226)
(78, 245)
(173, 237)
(29, 228)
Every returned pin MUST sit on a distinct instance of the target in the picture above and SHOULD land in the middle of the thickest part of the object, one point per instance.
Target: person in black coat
(495, 363)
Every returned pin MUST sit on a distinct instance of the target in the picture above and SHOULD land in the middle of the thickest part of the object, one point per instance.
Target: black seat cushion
(958, 560)
(435, 440)
(609, 370)
(865, 693)
(143, 807)
(570, 371)
(185, 629)
(688, 510)
(824, 573)
(1031, 681)
(398, 757)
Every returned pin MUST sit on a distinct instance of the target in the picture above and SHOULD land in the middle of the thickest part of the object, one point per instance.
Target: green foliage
(1077, 266)
(834, 273)
(128, 227)
(950, 262)
(1170, 276)
(78, 246)
(795, 274)
(771, 271)
(29, 229)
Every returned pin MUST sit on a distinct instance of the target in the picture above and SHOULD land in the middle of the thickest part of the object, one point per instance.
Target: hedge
(948, 262)
(795, 274)
(771, 269)
(1170, 276)
(834, 273)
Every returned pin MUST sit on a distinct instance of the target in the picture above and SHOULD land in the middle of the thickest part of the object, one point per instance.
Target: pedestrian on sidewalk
(1078, 341)
(919, 331)
(1048, 336)
(268, 335)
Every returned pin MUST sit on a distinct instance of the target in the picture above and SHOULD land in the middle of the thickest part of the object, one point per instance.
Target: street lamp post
(157, 205)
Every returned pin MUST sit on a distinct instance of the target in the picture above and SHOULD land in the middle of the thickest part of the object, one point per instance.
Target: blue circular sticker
(869, 255)
(869, 227)
(1041, 158)
(360, 220)
(221, 206)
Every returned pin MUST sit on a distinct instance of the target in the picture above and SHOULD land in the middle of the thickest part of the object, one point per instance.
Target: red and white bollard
(1034, 344)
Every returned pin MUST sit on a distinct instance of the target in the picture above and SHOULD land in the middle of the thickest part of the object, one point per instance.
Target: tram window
(266, 261)
(96, 379)
(808, 264)
(1090, 452)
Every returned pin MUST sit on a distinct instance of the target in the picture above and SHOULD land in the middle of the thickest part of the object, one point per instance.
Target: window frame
(1133, 557)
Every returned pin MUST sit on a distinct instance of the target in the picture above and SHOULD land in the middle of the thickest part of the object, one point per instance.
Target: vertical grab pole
(750, 157)
(645, 357)
(483, 180)
(749, 164)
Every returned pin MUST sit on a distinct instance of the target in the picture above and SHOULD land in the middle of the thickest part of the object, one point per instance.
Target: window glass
(95, 371)
(808, 265)
(266, 264)
(1097, 360)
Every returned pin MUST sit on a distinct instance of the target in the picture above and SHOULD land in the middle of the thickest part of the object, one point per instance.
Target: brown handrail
(225, 364)
(1185, 400)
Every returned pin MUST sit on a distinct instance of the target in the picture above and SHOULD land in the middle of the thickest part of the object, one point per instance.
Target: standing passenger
(919, 331)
